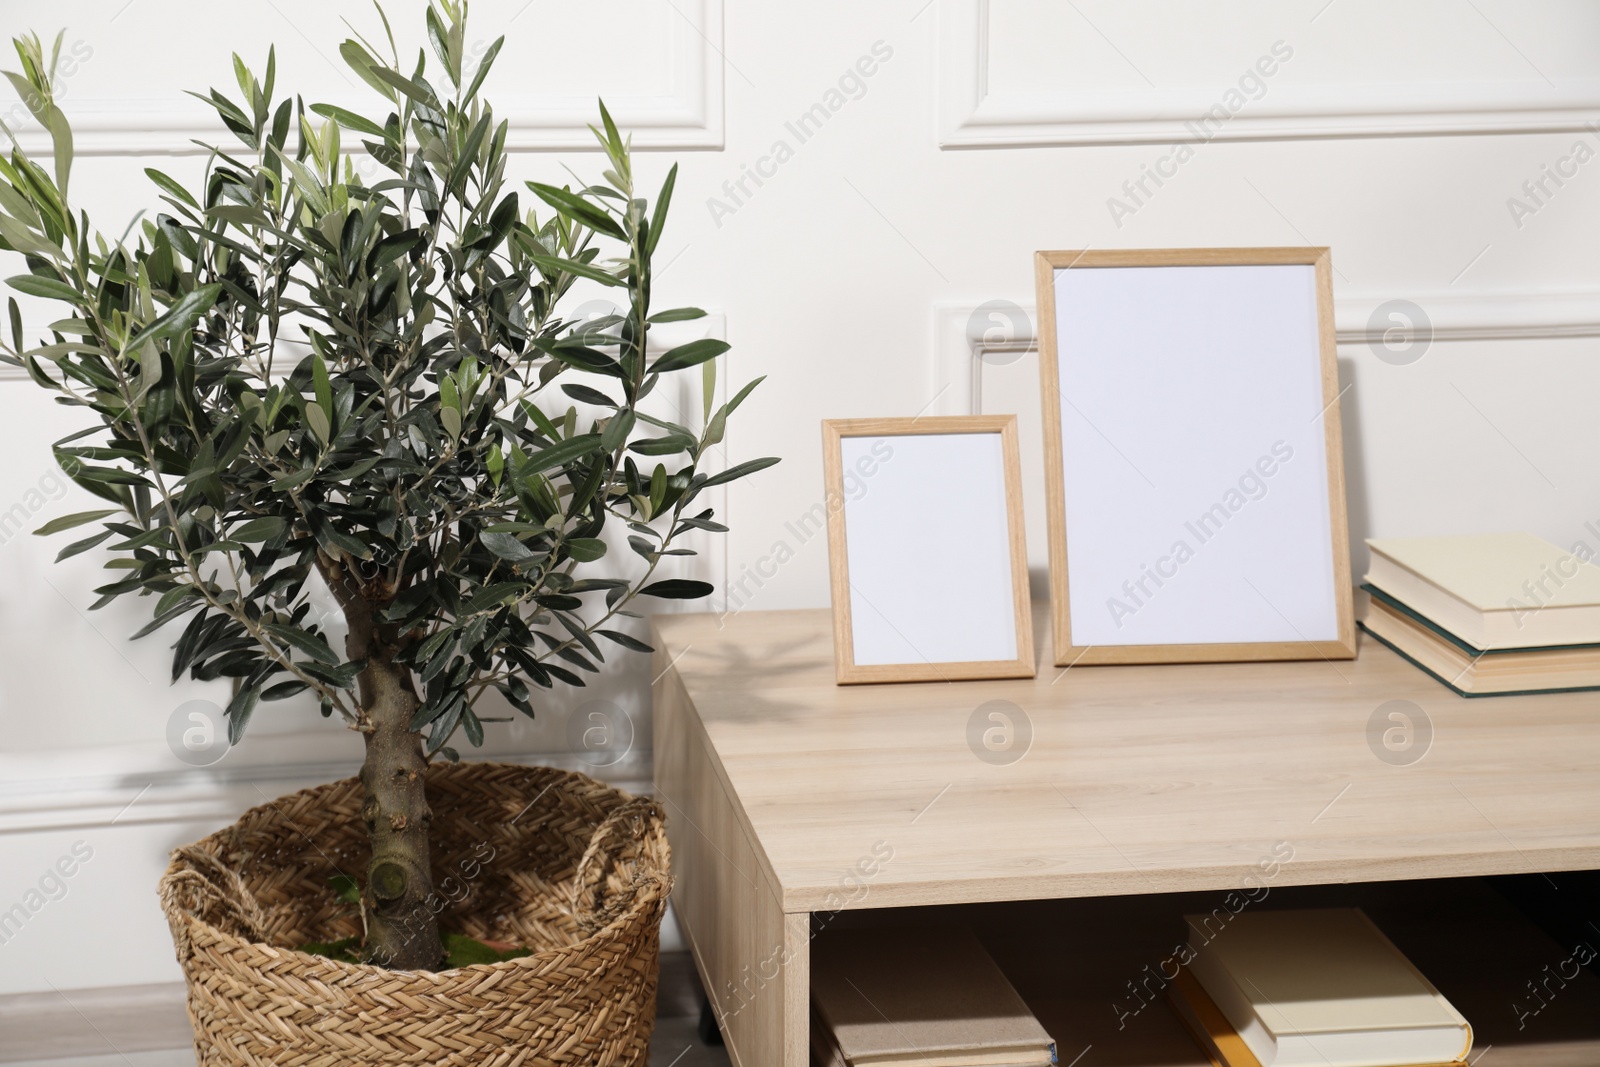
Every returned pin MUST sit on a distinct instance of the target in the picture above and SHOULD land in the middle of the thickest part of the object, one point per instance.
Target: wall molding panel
(972, 116)
(685, 113)
(966, 333)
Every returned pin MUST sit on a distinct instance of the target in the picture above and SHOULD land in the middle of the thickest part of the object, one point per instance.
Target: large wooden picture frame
(926, 549)
(1190, 378)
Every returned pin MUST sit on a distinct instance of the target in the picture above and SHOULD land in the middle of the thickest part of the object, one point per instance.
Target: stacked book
(917, 998)
(1316, 988)
(1488, 613)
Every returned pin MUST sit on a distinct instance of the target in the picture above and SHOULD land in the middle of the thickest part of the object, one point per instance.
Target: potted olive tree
(302, 376)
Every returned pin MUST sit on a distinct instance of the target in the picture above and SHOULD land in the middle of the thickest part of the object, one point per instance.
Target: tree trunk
(402, 931)
(398, 897)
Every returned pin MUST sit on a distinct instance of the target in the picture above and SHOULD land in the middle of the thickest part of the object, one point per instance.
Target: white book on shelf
(1323, 988)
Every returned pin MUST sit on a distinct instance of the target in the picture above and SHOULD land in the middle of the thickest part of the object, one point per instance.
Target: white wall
(849, 274)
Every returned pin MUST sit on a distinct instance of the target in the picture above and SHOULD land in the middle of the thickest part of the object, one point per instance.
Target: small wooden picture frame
(926, 549)
(1193, 456)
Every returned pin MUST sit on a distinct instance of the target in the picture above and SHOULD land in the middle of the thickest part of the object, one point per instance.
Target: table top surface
(1118, 780)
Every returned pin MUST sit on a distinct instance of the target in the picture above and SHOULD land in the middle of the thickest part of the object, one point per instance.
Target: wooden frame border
(847, 671)
(1068, 654)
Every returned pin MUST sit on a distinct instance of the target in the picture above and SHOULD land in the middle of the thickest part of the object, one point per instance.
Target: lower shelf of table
(1093, 970)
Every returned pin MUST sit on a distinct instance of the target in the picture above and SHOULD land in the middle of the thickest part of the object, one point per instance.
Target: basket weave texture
(554, 861)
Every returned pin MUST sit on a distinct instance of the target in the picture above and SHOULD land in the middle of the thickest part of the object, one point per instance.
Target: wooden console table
(789, 795)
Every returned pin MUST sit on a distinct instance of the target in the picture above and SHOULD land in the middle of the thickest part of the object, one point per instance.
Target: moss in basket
(308, 382)
(460, 951)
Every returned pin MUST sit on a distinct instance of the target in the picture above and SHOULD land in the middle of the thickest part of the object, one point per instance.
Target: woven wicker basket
(555, 861)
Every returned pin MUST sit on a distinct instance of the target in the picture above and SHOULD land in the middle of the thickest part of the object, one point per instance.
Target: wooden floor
(147, 1027)
(675, 1045)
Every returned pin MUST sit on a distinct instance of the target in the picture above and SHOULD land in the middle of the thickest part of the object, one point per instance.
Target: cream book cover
(1490, 571)
(1211, 1030)
(1324, 988)
(920, 998)
(1501, 590)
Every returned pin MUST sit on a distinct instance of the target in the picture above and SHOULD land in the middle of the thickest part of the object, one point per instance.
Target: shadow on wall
(1358, 498)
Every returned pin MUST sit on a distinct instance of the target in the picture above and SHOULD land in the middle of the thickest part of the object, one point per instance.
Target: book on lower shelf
(1211, 1029)
(1472, 671)
(1316, 988)
(907, 997)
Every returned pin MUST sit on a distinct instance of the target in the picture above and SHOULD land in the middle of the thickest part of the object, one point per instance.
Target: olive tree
(303, 377)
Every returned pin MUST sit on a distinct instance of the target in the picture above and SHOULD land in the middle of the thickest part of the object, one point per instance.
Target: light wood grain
(849, 672)
(1139, 779)
(1066, 653)
(752, 963)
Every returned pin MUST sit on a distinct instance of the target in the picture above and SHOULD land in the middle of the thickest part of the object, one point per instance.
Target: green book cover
(1436, 676)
